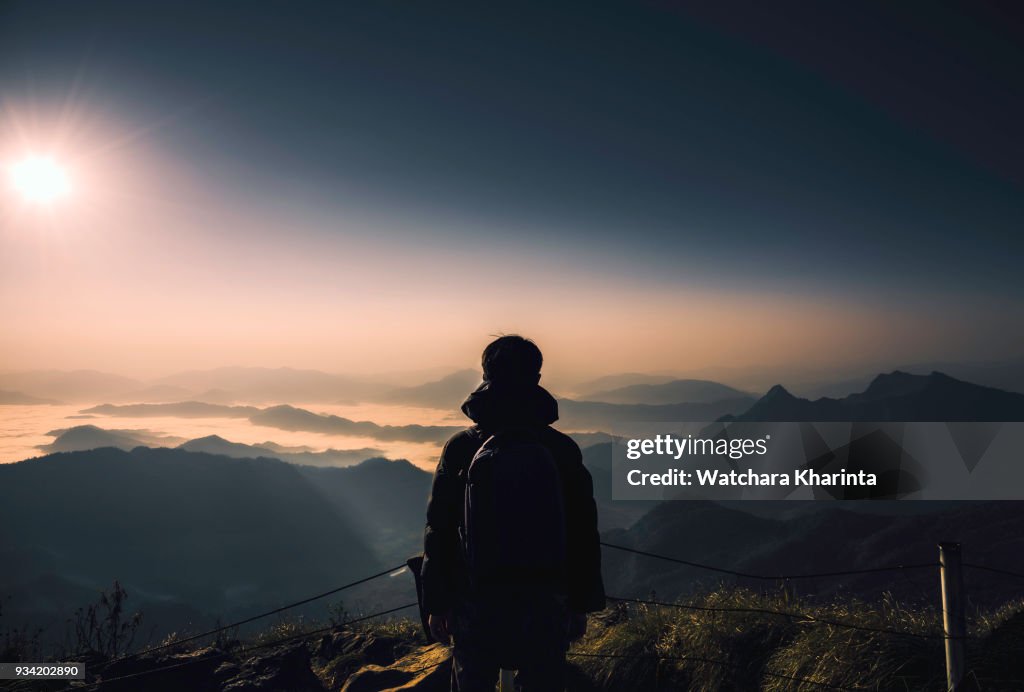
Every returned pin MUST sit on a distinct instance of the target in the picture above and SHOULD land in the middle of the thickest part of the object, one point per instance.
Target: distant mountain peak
(778, 392)
(896, 383)
(374, 461)
(209, 438)
(384, 462)
(676, 391)
(900, 383)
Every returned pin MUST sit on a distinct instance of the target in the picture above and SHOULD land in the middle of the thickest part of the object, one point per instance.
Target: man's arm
(586, 587)
(441, 536)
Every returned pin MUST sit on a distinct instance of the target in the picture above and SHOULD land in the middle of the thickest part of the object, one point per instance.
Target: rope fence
(769, 577)
(712, 661)
(275, 611)
(224, 654)
(994, 570)
(805, 617)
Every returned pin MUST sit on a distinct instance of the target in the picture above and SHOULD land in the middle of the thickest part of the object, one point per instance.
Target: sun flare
(40, 179)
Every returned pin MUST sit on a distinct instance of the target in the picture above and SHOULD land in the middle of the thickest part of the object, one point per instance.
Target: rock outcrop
(427, 669)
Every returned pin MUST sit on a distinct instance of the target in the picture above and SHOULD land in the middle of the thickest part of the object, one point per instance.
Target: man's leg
(473, 670)
(475, 663)
(544, 672)
(544, 637)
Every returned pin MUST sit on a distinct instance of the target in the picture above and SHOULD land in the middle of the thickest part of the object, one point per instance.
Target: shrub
(104, 627)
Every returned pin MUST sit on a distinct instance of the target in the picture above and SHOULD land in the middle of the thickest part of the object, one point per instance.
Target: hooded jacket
(493, 408)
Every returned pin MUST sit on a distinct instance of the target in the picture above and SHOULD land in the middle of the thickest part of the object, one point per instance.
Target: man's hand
(440, 627)
(577, 626)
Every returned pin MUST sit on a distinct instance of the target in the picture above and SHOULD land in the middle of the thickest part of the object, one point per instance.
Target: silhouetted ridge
(597, 415)
(667, 393)
(446, 393)
(898, 383)
(384, 462)
(895, 396)
(384, 500)
(217, 533)
(209, 438)
(83, 437)
(22, 399)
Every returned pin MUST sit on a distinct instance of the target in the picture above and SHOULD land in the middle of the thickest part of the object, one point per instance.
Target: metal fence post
(954, 622)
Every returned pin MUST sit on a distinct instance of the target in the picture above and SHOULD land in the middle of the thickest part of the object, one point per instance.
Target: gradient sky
(640, 186)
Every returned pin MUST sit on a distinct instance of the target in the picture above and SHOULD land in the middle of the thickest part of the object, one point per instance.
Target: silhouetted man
(512, 559)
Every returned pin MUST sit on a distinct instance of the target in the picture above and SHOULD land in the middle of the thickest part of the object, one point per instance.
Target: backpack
(513, 528)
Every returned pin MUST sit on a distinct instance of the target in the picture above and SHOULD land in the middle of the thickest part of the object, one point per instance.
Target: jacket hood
(493, 406)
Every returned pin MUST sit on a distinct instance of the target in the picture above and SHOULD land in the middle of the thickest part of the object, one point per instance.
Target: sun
(40, 179)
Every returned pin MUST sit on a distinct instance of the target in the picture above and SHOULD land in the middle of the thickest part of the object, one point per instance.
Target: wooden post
(507, 681)
(954, 622)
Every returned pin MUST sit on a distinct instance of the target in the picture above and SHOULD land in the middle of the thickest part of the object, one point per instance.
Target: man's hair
(512, 358)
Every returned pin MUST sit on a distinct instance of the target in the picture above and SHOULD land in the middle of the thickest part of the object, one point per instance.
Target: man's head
(512, 359)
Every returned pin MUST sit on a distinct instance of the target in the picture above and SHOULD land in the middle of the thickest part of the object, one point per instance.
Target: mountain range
(283, 417)
(666, 393)
(356, 492)
(8, 398)
(275, 385)
(896, 396)
(215, 534)
(600, 416)
(305, 456)
(73, 385)
(84, 437)
(584, 390)
(434, 388)
(446, 393)
(580, 417)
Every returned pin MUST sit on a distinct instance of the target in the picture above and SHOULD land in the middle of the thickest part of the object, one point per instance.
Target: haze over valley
(340, 488)
(324, 419)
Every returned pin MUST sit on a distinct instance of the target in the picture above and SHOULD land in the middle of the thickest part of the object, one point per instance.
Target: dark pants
(527, 633)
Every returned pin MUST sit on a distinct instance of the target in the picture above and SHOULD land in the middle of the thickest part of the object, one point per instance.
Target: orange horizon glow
(158, 270)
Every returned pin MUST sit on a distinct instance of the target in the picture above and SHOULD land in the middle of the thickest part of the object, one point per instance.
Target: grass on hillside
(657, 647)
(726, 639)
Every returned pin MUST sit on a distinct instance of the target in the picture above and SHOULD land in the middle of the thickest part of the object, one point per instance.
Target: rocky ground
(354, 661)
